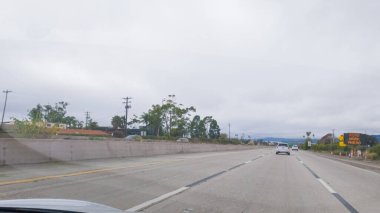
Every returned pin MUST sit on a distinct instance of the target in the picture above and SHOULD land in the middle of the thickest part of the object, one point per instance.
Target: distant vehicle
(182, 140)
(133, 138)
(294, 148)
(282, 148)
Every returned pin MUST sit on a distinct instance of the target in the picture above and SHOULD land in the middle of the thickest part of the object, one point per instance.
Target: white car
(294, 148)
(282, 148)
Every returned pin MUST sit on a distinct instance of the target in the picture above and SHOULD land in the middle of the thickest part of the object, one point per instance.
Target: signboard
(356, 139)
(309, 143)
(352, 138)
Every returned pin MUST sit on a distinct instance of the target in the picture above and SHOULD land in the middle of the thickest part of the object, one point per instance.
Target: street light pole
(5, 105)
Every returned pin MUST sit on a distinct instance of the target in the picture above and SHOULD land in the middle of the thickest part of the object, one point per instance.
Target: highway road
(241, 181)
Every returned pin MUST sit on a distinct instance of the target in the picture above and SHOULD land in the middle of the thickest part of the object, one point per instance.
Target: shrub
(118, 134)
(347, 148)
(163, 137)
(375, 149)
(138, 138)
(134, 138)
(372, 156)
(33, 129)
(95, 138)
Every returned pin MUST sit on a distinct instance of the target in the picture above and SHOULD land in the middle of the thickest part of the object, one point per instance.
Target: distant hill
(287, 140)
(300, 140)
(327, 139)
(377, 137)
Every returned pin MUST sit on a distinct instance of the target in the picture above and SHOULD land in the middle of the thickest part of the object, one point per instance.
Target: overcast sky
(270, 68)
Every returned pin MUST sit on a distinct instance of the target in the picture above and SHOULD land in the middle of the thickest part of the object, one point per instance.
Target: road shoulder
(371, 166)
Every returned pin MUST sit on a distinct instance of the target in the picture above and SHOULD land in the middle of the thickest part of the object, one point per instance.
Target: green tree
(172, 119)
(118, 122)
(175, 117)
(202, 130)
(214, 130)
(153, 119)
(134, 121)
(207, 121)
(198, 126)
(36, 114)
(144, 119)
(80, 125)
(223, 136)
(55, 114)
(194, 127)
(168, 118)
(92, 124)
(71, 122)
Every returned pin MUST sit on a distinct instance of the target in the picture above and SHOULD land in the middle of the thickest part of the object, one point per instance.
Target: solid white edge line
(156, 200)
(326, 186)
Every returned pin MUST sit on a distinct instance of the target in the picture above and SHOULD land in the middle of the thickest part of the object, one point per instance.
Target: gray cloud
(267, 67)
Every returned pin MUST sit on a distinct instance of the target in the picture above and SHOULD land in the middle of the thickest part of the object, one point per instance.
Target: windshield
(190, 106)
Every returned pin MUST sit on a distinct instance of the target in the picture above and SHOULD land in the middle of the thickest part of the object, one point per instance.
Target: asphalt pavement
(240, 181)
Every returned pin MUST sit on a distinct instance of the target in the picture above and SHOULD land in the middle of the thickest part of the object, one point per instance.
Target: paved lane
(138, 179)
(274, 183)
(243, 181)
(360, 187)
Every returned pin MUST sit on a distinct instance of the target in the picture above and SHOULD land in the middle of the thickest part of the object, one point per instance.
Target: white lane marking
(163, 197)
(301, 161)
(156, 200)
(331, 190)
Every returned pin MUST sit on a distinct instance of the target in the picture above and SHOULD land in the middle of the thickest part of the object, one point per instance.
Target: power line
(127, 106)
(5, 105)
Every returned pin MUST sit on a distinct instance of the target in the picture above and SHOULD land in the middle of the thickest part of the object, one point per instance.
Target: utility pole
(172, 102)
(5, 105)
(87, 119)
(127, 106)
(170, 122)
(229, 132)
(333, 138)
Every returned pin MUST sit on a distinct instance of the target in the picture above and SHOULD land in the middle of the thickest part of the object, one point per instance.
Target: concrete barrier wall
(24, 151)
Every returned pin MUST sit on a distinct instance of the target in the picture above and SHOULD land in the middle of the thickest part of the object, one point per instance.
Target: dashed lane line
(157, 200)
(344, 202)
(182, 189)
